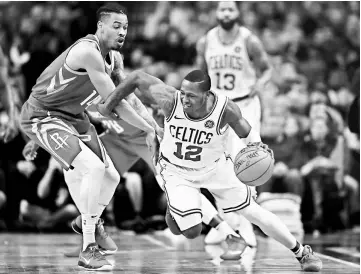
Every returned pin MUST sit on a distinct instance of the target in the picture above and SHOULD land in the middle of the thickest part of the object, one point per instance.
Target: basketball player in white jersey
(193, 155)
(239, 68)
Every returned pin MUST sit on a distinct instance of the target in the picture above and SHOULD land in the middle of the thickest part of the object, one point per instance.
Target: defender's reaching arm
(151, 87)
(88, 57)
(118, 77)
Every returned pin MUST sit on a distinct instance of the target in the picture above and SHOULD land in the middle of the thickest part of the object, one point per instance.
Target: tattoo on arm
(142, 111)
(118, 75)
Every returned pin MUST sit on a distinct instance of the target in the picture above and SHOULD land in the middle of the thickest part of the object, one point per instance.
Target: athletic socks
(88, 227)
(298, 250)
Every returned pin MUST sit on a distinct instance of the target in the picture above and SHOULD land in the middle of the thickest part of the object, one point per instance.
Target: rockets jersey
(60, 88)
(118, 128)
(194, 143)
(229, 66)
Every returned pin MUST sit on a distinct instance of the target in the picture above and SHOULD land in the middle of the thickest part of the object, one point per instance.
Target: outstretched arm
(118, 77)
(88, 57)
(151, 87)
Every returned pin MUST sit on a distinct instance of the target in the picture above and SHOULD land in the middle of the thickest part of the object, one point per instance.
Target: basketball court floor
(162, 252)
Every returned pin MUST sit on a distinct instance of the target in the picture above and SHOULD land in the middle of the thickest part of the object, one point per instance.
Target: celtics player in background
(239, 69)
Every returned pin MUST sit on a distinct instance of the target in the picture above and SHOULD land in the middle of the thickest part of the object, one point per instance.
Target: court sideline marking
(162, 244)
(321, 256)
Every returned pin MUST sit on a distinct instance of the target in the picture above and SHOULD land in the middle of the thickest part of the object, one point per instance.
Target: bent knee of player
(193, 232)
(87, 161)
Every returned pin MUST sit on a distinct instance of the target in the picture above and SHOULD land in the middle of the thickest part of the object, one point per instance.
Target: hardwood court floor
(160, 253)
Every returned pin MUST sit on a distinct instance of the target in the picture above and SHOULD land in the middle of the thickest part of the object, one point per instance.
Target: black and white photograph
(176, 137)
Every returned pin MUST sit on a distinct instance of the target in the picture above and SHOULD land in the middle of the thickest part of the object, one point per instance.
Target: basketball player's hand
(10, 132)
(153, 144)
(105, 112)
(262, 145)
(30, 151)
(256, 89)
(160, 132)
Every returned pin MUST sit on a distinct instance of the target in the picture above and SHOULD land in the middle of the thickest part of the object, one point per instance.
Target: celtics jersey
(66, 90)
(229, 66)
(194, 143)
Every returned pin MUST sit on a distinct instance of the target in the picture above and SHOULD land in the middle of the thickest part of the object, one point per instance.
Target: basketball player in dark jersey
(54, 118)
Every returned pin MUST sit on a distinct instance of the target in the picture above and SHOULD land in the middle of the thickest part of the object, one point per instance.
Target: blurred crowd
(314, 48)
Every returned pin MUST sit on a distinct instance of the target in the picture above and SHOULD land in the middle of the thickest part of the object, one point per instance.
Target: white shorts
(182, 187)
(251, 111)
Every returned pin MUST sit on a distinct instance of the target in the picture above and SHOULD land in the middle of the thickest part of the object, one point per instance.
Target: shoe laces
(95, 253)
(101, 230)
(309, 253)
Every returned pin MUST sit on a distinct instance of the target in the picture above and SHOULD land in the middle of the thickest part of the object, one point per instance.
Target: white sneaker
(214, 237)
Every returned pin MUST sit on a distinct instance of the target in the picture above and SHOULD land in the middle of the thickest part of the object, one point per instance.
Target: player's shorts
(182, 187)
(126, 152)
(251, 111)
(60, 133)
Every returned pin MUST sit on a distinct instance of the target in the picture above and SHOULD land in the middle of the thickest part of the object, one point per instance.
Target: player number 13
(192, 152)
(225, 81)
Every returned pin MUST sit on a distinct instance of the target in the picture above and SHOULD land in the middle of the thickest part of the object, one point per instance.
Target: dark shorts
(59, 133)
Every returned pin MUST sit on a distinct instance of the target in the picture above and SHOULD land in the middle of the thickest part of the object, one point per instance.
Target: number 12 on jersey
(192, 153)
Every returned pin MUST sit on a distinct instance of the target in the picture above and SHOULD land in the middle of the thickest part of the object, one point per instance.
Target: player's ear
(100, 25)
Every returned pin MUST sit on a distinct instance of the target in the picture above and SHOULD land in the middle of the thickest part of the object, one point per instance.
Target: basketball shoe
(92, 259)
(235, 247)
(309, 261)
(106, 245)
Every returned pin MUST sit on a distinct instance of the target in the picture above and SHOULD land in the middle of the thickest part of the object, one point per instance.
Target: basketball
(253, 166)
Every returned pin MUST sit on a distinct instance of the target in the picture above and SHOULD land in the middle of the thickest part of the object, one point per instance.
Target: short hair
(200, 78)
(237, 3)
(109, 8)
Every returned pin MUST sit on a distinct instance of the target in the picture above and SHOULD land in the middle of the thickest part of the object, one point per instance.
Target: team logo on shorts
(60, 141)
(209, 124)
(237, 49)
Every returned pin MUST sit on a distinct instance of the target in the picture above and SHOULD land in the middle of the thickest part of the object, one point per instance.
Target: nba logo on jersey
(209, 124)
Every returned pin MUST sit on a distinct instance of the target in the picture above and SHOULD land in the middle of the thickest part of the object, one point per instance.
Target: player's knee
(172, 224)
(193, 232)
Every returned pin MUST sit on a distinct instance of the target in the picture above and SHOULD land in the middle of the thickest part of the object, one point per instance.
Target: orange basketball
(253, 166)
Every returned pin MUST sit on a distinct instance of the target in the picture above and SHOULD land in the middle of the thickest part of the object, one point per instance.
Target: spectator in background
(323, 194)
(52, 209)
(286, 184)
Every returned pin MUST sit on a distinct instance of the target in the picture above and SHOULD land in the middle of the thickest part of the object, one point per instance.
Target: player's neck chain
(227, 43)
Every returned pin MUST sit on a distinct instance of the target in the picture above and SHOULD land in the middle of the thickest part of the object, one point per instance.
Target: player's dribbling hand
(30, 151)
(262, 145)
